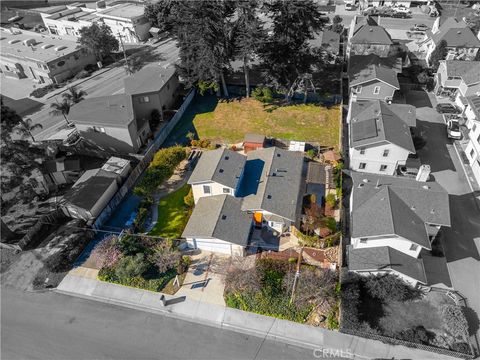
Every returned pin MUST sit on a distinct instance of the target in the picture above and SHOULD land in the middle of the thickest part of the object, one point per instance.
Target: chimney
(423, 173)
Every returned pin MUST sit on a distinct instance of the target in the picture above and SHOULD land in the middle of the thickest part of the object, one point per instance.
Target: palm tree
(60, 109)
(73, 96)
(26, 127)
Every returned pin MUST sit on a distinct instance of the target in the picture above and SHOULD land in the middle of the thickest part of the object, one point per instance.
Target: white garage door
(211, 245)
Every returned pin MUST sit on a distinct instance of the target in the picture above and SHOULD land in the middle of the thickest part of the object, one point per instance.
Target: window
(385, 152)
(376, 90)
(99, 129)
(363, 240)
(206, 189)
(61, 63)
(362, 151)
(362, 166)
(358, 90)
(383, 167)
(413, 247)
(144, 99)
(226, 190)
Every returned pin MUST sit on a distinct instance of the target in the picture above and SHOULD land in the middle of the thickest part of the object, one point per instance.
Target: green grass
(172, 214)
(229, 121)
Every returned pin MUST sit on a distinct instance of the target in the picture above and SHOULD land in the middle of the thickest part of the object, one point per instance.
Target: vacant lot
(229, 121)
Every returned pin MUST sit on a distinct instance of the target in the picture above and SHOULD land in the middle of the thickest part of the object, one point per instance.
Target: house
(217, 172)
(366, 37)
(459, 78)
(462, 44)
(109, 122)
(253, 142)
(267, 186)
(379, 136)
(328, 40)
(218, 224)
(152, 88)
(127, 21)
(42, 58)
(473, 124)
(373, 81)
(394, 219)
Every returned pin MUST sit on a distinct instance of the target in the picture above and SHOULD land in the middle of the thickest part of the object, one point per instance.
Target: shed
(253, 142)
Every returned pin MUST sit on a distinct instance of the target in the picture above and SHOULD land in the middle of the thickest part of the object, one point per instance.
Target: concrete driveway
(462, 241)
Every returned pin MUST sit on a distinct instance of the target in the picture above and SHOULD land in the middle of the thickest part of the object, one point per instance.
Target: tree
(98, 39)
(62, 108)
(337, 24)
(26, 127)
(439, 53)
(249, 35)
(107, 252)
(162, 14)
(129, 267)
(287, 53)
(455, 321)
(390, 288)
(314, 286)
(72, 96)
(313, 218)
(165, 257)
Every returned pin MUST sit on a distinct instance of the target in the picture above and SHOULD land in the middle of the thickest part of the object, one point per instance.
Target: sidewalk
(236, 320)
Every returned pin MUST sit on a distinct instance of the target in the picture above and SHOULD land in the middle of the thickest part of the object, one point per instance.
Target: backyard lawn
(172, 214)
(228, 121)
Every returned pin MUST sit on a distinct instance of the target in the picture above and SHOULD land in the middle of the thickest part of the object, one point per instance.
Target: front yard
(228, 121)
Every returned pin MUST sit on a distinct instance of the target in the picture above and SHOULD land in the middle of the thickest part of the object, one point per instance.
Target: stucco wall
(114, 138)
(367, 92)
(215, 188)
(215, 245)
(373, 158)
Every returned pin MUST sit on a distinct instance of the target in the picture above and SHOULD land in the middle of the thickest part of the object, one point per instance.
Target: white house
(393, 220)
(379, 138)
(218, 224)
(217, 172)
(473, 148)
(460, 78)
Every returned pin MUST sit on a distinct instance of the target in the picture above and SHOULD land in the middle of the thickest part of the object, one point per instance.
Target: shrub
(350, 302)
(311, 153)
(165, 257)
(416, 335)
(156, 284)
(40, 92)
(130, 245)
(461, 347)
(455, 321)
(263, 94)
(140, 219)
(189, 200)
(107, 252)
(131, 266)
(331, 200)
(332, 319)
(81, 75)
(331, 223)
(390, 288)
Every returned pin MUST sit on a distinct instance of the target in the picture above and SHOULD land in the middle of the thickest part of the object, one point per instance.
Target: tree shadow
(142, 57)
(418, 99)
(472, 320)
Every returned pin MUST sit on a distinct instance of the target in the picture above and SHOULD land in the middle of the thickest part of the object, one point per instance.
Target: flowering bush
(107, 252)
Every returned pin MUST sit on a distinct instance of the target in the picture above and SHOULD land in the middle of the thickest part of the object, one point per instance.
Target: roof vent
(361, 185)
(14, 41)
(61, 47)
(46, 46)
(426, 187)
(224, 217)
(432, 211)
(227, 157)
(274, 174)
(371, 29)
(269, 196)
(366, 181)
(278, 155)
(412, 208)
(220, 171)
(459, 32)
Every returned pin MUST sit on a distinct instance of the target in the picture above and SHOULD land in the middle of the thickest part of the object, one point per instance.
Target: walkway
(232, 319)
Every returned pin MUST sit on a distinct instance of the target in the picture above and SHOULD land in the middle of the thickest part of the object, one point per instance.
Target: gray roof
(376, 122)
(273, 181)
(359, 62)
(386, 258)
(113, 110)
(223, 166)
(219, 217)
(316, 173)
(367, 31)
(385, 205)
(372, 72)
(149, 79)
(456, 34)
(86, 194)
(254, 138)
(468, 70)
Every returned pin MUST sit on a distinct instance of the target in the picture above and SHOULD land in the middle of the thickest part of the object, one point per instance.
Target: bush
(331, 224)
(417, 335)
(165, 257)
(40, 92)
(107, 252)
(201, 143)
(461, 347)
(189, 200)
(331, 200)
(130, 245)
(350, 301)
(82, 75)
(311, 153)
(263, 94)
(455, 321)
(390, 288)
(131, 266)
(157, 284)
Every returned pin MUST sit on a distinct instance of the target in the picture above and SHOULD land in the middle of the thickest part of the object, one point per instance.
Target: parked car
(401, 9)
(349, 7)
(419, 27)
(401, 15)
(453, 130)
(448, 109)
(408, 171)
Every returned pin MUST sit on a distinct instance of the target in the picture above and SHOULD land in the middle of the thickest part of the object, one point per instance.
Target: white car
(453, 130)
(401, 9)
(349, 7)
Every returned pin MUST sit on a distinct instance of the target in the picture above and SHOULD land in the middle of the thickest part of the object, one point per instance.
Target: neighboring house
(394, 220)
(109, 122)
(152, 88)
(460, 78)
(218, 224)
(462, 44)
(42, 58)
(366, 37)
(328, 40)
(268, 186)
(127, 21)
(473, 123)
(373, 81)
(253, 142)
(379, 136)
(217, 172)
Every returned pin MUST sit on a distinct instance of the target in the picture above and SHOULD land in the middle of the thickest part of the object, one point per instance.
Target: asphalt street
(56, 326)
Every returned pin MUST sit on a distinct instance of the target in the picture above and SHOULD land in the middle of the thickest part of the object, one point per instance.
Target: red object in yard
(253, 142)
(331, 156)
